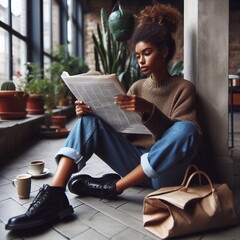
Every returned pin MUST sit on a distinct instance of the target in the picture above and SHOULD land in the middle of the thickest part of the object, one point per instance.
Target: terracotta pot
(64, 102)
(35, 104)
(13, 104)
(59, 121)
(54, 132)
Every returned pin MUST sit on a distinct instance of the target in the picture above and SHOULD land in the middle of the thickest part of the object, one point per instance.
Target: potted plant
(50, 92)
(42, 92)
(35, 89)
(39, 85)
(12, 102)
(112, 56)
(35, 102)
(62, 61)
(59, 121)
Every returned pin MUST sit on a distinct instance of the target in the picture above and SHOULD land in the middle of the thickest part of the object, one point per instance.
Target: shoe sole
(110, 175)
(61, 215)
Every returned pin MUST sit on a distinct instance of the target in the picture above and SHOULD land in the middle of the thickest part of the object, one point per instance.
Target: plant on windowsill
(52, 129)
(38, 83)
(41, 91)
(12, 102)
(63, 61)
(35, 89)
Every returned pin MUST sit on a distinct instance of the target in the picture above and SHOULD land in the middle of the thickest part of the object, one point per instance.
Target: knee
(186, 133)
(186, 128)
(90, 121)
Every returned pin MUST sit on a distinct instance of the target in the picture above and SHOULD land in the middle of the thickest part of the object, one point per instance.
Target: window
(47, 31)
(55, 23)
(69, 26)
(19, 54)
(4, 55)
(13, 37)
(30, 29)
(18, 8)
(75, 27)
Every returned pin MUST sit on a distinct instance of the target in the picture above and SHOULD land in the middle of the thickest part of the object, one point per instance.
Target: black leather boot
(103, 187)
(50, 204)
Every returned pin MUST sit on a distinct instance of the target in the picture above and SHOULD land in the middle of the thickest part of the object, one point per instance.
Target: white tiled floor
(93, 218)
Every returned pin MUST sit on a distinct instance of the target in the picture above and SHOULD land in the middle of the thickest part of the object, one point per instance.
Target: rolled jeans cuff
(147, 168)
(70, 153)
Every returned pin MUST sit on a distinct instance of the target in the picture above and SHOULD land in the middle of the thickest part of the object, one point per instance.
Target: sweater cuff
(157, 122)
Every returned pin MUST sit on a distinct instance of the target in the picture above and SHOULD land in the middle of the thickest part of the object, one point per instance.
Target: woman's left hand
(133, 103)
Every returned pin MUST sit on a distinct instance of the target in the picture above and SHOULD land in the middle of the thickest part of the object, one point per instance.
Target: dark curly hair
(156, 25)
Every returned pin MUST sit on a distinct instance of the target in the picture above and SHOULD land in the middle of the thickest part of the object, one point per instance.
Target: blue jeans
(164, 164)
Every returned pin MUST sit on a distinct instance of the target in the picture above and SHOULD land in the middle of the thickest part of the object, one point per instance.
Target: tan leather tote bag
(185, 209)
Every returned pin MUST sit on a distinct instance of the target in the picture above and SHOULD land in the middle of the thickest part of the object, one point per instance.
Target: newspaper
(98, 91)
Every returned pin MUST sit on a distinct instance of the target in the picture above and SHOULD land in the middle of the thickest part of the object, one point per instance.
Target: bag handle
(187, 172)
(214, 191)
(200, 173)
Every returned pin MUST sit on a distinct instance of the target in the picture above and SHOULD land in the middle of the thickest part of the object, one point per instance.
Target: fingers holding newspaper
(133, 103)
(81, 108)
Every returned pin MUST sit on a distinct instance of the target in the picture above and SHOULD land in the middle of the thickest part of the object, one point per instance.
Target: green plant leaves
(176, 68)
(110, 55)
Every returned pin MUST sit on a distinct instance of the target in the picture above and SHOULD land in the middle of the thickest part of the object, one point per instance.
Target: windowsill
(14, 133)
(10, 123)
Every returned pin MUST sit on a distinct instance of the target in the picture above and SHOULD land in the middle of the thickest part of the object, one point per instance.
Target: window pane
(19, 56)
(19, 16)
(55, 23)
(69, 26)
(47, 25)
(47, 62)
(4, 11)
(4, 53)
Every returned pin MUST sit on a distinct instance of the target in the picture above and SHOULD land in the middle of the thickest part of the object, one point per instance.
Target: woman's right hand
(81, 108)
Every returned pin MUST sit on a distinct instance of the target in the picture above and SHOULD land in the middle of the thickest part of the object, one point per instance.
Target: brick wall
(234, 41)
(92, 17)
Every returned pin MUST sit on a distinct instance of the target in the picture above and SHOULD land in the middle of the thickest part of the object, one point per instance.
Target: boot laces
(38, 200)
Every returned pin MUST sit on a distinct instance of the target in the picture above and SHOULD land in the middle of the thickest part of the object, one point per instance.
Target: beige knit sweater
(173, 100)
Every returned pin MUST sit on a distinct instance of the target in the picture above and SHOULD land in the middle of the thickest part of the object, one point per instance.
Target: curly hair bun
(161, 14)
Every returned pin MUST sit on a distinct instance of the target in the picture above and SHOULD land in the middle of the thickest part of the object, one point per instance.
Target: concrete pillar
(206, 32)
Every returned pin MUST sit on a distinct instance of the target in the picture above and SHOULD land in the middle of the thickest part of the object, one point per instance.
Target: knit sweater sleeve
(157, 122)
(184, 103)
(179, 105)
(182, 107)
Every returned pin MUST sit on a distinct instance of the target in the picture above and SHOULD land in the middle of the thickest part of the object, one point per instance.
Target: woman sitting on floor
(167, 106)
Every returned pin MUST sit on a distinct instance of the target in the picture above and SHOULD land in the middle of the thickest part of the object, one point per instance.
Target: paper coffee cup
(23, 185)
(36, 167)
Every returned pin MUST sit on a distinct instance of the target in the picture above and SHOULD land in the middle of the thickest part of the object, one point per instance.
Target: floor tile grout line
(115, 213)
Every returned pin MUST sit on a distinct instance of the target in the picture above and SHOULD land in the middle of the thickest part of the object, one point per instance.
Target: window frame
(34, 30)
